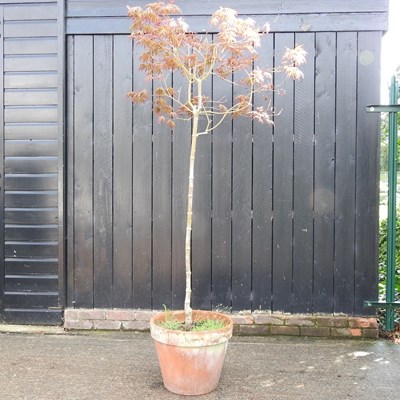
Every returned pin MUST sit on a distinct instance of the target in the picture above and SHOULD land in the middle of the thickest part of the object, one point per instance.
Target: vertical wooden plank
(180, 167)
(162, 186)
(62, 228)
(346, 111)
(70, 220)
(221, 201)
(2, 220)
(201, 236)
(241, 207)
(324, 195)
(283, 185)
(367, 167)
(122, 173)
(262, 195)
(142, 192)
(83, 171)
(303, 181)
(103, 164)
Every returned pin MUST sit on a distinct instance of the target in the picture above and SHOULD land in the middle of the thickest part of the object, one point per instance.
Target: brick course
(285, 330)
(106, 324)
(300, 321)
(253, 330)
(120, 315)
(370, 333)
(245, 323)
(314, 331)
(135, 325)
(268, 320)
(330, 321)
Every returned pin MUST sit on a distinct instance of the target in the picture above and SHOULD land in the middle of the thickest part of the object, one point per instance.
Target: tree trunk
(188, 244)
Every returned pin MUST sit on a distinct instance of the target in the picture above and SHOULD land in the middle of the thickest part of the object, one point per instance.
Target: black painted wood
(37, 28)
(31, 148)
(31, 199)
(70, 195)
(345, 182)
(30, 215)
(102, 172)
(30, 131)
(27, 232)
(241, 207)
(142, 191)
(30, 97)
(283, 186)
(28, 63)
(122, 182)
(28, 114)
(2, 211)
(83, 172)
(221, 202)
(324, 175)
(18, 2)
(26, 300)
(33, 316)
(278, 218)
(31, 266)
(31, 182)
(333, 22)
(31, 80)
(20, 249)
(31, 165)
(367, 176)
(31, 283)
(78, 8)
(162, 209)
(42, 45)
(21, 12)
(303, 181)
(262, 197)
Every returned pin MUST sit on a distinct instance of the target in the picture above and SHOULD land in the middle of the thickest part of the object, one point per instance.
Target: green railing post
(390, 304)
(391, 230)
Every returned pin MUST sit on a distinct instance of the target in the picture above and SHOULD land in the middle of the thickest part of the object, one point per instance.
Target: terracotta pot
(191, 362)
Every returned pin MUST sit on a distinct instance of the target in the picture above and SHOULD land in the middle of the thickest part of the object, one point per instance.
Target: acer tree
(169, 45)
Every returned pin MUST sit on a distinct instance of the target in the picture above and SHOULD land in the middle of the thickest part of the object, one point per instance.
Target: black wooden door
(30, 164)
(285, 217)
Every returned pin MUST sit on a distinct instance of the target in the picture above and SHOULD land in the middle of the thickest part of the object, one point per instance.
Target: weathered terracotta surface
(191, 362)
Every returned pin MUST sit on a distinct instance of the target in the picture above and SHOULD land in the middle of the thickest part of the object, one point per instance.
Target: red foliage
(169, 45)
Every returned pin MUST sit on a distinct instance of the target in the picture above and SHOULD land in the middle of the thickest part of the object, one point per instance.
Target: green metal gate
(390, 303)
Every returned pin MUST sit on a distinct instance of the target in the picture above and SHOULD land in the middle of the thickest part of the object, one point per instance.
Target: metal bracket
(380, 109)
(382, 304)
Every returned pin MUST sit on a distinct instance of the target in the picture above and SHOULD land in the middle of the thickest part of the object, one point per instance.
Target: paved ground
(111, 366)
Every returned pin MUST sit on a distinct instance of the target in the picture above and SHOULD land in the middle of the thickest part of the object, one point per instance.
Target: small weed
(170, 320)
(207, 325)
(172, 323)
(222, 309)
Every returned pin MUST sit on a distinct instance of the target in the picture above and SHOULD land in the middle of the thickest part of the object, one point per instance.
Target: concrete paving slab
(122, 365)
